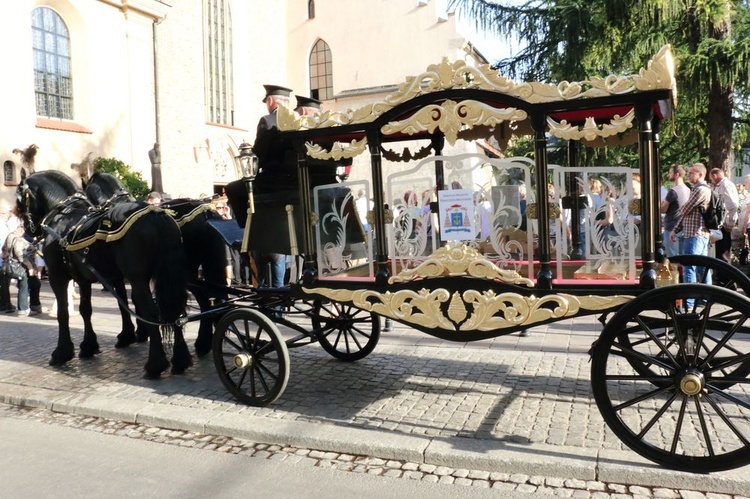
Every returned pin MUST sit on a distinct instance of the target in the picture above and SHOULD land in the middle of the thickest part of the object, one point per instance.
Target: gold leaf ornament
(457, 259)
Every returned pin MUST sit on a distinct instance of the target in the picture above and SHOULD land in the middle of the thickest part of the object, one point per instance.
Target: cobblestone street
(513, 413)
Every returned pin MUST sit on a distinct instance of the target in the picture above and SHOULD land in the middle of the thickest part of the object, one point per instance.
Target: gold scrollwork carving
(634, 207)
(387, 217)
(338, 150)
(425, 307)
(456, 260)
(659, 74)
(553, 211)
(590, 129)
(415, 307)
(451, 117)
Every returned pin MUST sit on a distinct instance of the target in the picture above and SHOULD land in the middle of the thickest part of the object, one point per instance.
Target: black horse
(147, 248)
(205, 248)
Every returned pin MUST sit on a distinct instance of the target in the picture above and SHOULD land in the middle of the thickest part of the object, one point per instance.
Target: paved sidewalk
(511, 404)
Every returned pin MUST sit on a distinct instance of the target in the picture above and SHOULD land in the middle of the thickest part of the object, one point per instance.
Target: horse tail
(171, 276)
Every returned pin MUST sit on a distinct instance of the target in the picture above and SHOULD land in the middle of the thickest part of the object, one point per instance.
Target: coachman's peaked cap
(276, 90)
(307, 102)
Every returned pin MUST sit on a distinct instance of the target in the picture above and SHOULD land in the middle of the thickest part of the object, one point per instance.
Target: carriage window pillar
(308, 248)
(539, 124)
(381, 272)
(644, 113)
(576, 202)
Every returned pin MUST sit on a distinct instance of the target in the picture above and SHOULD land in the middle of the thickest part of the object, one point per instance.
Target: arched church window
(321, 71)
(53, 81)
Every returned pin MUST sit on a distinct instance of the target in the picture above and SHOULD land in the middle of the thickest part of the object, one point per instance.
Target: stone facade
(125, 98)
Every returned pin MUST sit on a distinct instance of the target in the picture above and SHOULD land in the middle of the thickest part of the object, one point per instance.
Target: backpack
(714, 213)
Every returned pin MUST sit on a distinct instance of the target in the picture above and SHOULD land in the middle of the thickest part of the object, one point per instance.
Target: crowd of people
(685, 231)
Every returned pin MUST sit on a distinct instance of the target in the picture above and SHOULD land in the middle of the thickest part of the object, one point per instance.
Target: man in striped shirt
(694, 232)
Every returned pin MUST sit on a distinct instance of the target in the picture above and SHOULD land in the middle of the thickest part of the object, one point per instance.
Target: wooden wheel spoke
(704, 322)
(629, 353)
(658, 415)
(723, 341)
(730, 361)
(237, 334)
(704, 427)
(659, 343)
(338, 338)
(241, 379)
(236, 346)
(637, 377)
(721, 393)
(263, 349)
(347, 336)
(257, 369)
(640, 398)
(727, 421)
(735, 380)
(362, 319)
(678, 426)
(262, 367)
(354, 336)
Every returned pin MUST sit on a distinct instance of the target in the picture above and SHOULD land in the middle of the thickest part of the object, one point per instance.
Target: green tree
(574, 39)
(132, 181)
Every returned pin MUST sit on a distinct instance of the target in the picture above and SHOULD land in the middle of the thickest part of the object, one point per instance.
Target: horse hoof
(179, 367)
(141, 335)
(202, 350)
(87, 352)
(61, 356)
(125, 340)
(154, 369)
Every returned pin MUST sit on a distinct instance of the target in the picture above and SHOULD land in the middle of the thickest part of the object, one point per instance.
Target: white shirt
(728, 192)
(745, 207)
(363, 205)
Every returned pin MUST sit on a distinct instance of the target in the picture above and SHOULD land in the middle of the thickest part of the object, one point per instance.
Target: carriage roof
(460, 101)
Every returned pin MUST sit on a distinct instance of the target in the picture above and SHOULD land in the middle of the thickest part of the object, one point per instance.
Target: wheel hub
(243, 360)
(691, 382)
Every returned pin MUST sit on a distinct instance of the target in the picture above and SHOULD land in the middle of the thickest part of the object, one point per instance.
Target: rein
(60, 208)
(123, 303)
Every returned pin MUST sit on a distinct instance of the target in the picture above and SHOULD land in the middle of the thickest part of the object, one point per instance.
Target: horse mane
(102, 188)
(55, 185)
(107, 180)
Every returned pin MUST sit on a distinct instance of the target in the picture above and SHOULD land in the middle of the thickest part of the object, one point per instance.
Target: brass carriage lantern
(248, 161)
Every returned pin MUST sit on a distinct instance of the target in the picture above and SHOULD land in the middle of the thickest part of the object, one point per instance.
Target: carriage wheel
(344, 331)
(690, 410)
(663, 329)
(251, 357)
(735, 277)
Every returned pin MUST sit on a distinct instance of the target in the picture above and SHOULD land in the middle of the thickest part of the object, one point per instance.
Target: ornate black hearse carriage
(466, 244)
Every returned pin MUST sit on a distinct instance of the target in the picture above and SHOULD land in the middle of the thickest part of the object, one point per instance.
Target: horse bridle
(24, 198)
(120, 193)
(26, 195)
